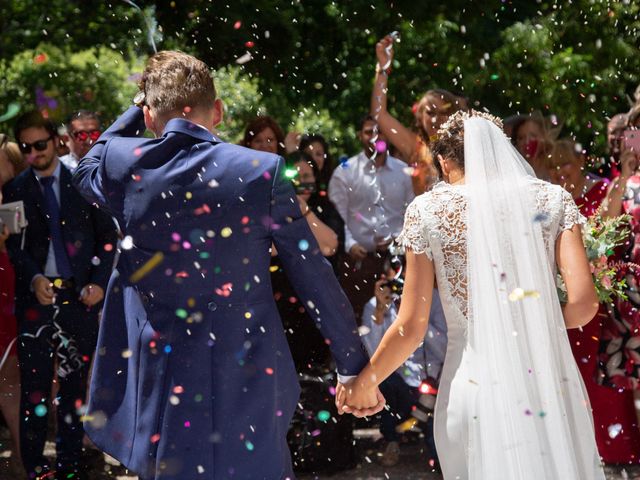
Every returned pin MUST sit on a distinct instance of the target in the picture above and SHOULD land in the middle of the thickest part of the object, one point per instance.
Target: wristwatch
(138, 99)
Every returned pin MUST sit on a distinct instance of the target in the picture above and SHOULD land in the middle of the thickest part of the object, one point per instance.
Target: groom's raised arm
(312, 277)
(90, 175)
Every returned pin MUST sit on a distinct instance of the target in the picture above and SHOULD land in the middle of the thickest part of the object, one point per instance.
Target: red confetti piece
(249, 44)
(202, 210)
(269, 371)
(237, 25)
(40, 58)
(155, 438)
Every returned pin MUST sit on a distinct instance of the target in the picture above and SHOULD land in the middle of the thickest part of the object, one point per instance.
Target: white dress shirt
(70, 161)
(50, 268)
(371, 200)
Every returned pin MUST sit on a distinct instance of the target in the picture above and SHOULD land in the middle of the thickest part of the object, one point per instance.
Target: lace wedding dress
(436, 224)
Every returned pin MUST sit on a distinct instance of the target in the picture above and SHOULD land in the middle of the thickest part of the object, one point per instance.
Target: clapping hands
(359, 398)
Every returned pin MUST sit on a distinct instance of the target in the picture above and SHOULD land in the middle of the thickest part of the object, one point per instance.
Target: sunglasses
(40, 145)
(84, 135)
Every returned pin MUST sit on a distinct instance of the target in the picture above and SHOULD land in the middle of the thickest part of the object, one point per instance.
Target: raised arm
(400, 136)
(90, 176)
(582, 303)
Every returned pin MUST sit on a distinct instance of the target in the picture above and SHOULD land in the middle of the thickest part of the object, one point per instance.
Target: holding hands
(358, 397)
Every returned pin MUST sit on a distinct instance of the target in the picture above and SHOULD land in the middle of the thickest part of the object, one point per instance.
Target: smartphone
(632, 140)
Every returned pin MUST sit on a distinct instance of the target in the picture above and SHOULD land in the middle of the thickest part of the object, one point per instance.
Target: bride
(511, 403)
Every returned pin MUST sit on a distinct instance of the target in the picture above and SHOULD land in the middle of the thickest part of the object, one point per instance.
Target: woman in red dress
(11, 164)
(617, 434)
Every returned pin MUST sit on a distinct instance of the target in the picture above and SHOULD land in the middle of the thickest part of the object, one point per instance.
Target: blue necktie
(52, 211)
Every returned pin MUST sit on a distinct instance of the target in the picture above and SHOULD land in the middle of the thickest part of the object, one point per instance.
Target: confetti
(147, 267)
(520, 294)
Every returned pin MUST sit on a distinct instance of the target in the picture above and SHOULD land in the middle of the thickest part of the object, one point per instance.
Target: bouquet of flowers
(601, 236)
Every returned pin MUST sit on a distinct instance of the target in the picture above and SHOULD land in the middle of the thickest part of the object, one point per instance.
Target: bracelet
(385, 71)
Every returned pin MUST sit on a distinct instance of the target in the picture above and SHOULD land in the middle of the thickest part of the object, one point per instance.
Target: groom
(193, 378)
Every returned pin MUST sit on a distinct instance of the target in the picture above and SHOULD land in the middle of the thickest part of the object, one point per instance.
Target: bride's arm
(407, 331)
(582, 303)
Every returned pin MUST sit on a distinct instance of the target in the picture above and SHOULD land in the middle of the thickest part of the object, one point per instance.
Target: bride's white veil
(530, 416)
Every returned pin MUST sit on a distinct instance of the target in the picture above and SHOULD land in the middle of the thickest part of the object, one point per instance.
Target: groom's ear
(218, 112)
(149, 119)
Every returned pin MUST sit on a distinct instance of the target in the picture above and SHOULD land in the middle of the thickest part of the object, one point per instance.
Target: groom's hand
(358, 400)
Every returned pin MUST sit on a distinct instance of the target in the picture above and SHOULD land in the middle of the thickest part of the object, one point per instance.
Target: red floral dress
(8, 326)
(620, 352)
(617, 437)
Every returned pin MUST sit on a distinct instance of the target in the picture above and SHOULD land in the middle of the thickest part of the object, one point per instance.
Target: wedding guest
(371, 192)
(62, 265)
(11, 164)
(615, 129)
(431, 111)
(510, 122)
(402, 388)
(308, 348)
(83, 129)
(316, 146)
(532, 137)
(610, 406)
(620, 351)
(264, 134)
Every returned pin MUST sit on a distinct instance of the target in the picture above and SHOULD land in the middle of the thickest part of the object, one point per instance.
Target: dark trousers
(38, 360)
(358, 278)
(401, 398)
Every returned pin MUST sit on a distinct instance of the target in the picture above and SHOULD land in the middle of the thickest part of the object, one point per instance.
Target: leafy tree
(58, 81)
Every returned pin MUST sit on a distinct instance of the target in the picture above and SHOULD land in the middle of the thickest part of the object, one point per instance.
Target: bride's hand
(358, 399)
(384, 52)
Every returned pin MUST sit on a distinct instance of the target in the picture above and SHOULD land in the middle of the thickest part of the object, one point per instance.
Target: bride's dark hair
(450, 141)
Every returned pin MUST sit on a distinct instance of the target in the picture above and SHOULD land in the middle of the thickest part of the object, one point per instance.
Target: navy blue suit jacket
(88, 232)
(193, 377)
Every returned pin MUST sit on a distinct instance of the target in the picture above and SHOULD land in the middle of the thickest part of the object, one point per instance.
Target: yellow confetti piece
(126, 353)
(226, 232)
(273, 268)
(520, 294)
(247, 315)
(149, 265)
(57, 283)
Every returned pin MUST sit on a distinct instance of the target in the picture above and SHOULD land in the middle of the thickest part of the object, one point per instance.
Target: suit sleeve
(105, 234)
(90, 176)
(20, 258)
(312, 277)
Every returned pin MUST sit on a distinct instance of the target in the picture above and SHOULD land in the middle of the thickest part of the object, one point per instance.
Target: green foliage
(577, 61)
(313, 60)
(59, 81)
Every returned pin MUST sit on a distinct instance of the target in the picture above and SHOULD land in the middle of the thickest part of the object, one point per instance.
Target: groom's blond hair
(175, 83)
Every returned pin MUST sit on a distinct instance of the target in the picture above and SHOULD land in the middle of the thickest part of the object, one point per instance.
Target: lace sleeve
(570, 213)
(413, 233)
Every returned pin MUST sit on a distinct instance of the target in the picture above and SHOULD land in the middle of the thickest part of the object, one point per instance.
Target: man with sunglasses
(62, 264)
(83, 130)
